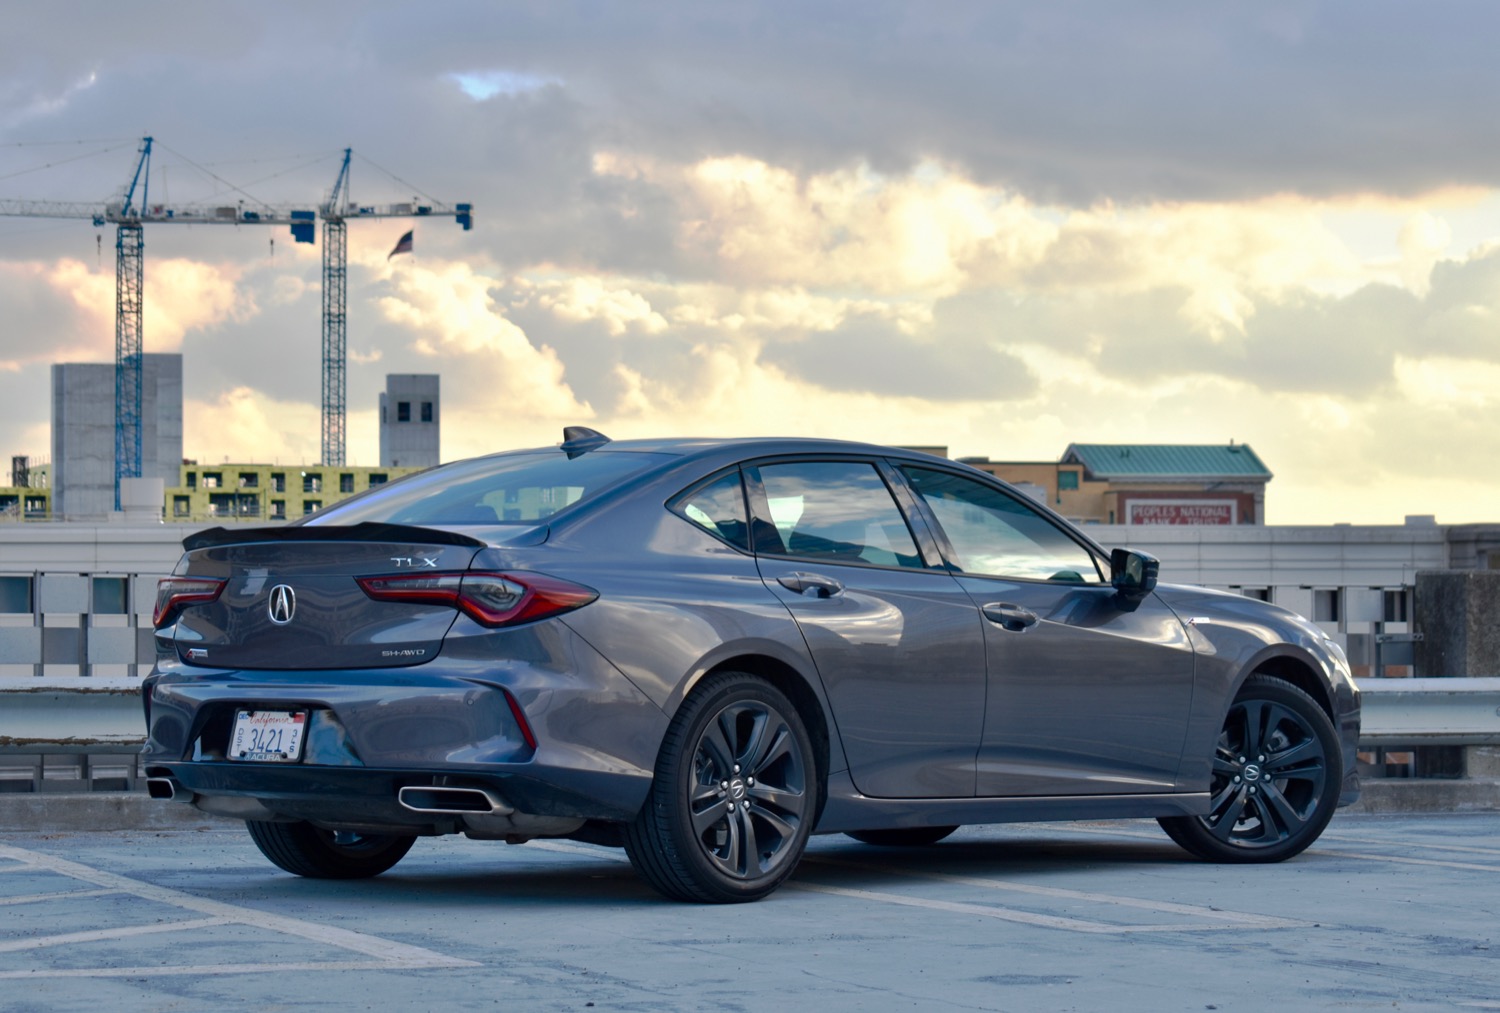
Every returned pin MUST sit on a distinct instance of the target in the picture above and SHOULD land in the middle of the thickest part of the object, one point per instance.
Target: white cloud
(245, 425)
(619, 309)
(1422, 241)
(448, 309)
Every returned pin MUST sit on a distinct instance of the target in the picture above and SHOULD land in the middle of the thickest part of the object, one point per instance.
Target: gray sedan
(706, 650)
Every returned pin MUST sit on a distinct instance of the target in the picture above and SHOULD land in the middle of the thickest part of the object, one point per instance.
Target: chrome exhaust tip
(453, 801)
(168, 789)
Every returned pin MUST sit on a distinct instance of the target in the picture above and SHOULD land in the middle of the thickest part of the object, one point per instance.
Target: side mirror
(1133, 575)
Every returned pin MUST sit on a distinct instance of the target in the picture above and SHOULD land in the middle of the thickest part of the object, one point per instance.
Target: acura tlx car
(706, 650)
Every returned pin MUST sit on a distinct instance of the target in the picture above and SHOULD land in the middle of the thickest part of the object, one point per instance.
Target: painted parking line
(382, 954)
(37, 898)
(1208, 919)
(1044, 920)
(1213, 918)
(1466, 849)
(99, 935)
(1362, 856)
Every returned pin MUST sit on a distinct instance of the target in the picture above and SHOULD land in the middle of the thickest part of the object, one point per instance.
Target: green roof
(1167, 460)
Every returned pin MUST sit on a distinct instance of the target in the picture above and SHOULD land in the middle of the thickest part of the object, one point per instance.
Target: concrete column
(1458, 615)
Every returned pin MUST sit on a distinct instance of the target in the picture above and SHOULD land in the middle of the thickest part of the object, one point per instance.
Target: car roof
(747, 446)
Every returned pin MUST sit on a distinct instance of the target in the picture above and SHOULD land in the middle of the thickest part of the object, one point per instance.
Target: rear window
(508, 489)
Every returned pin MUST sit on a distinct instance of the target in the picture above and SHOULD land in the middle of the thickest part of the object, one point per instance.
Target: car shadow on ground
(564, 873)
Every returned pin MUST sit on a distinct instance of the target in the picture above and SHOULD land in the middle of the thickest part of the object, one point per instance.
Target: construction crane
(336, 212)
(130, 216)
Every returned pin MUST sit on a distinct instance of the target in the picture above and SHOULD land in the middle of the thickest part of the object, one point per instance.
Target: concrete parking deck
(1384, 913)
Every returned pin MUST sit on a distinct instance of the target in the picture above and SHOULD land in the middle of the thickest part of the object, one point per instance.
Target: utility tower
(130, 247)
(336, 213)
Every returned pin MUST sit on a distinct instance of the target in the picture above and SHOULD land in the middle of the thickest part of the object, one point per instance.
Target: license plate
(267, 736)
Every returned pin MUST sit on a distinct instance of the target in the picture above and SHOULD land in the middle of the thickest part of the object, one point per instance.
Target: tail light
(490, 599)
(173, 594)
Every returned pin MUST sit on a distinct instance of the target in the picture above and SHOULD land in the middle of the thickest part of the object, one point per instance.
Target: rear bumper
(367, 798)
(451, 721)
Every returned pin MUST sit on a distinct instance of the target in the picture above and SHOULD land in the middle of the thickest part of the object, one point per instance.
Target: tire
(905, 837)
(734, 798)
(305, 850)
(1277, 769)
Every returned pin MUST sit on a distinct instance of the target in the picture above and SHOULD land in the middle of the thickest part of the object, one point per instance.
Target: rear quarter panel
(674, 601)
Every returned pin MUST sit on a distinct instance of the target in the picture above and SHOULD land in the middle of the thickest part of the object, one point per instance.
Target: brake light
(490, 599)
(173, 594)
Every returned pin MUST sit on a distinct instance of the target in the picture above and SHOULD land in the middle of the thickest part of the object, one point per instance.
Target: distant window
(192, 480)
(1396, 606)
(1067, 480)
(109, 596)
(278, 481)
(346, 483)
(181, 506)
(249, 480)
(377, 479)
(311, 506)
(213, 479)
(403, 411)
(312, 482)
(278, 509)
(1326, 605)
(15, 594)
(426, 411)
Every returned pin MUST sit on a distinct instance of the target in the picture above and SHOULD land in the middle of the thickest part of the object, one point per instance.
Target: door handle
(810, 585)
(1010, 617)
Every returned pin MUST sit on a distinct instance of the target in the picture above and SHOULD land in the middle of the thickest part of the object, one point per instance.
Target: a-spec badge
(283, 604)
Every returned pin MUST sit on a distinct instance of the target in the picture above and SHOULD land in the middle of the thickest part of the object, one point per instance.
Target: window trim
(1097, 554)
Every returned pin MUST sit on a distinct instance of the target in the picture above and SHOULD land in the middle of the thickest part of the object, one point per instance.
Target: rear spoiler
(368, 531)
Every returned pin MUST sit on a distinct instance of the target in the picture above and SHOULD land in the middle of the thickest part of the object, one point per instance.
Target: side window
(719, 508)
(836, 510)
(992, 533)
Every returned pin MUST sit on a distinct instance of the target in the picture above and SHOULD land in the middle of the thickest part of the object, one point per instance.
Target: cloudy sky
(998, 227)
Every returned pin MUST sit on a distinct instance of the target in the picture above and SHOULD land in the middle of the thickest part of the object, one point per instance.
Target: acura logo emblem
(283, 604)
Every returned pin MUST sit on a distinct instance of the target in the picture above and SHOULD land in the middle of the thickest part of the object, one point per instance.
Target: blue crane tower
(336, 212)
(129, 215)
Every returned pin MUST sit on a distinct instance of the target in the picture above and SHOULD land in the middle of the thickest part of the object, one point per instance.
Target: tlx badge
(283, 604)
(415, 562)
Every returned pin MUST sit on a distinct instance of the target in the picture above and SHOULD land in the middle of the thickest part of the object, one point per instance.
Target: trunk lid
(291, 599)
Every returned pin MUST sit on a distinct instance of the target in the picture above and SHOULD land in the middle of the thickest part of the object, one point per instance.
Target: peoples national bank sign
(1182, 511)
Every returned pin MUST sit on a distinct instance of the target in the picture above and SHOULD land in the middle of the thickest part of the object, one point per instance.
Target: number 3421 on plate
(267, 736)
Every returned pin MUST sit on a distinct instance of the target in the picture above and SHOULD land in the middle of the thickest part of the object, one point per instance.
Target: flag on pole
(403, 245)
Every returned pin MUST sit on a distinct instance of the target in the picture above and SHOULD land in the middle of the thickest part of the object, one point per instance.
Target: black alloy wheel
(305, 850)
(902, 837)
(1276, 773)
(734, 798)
